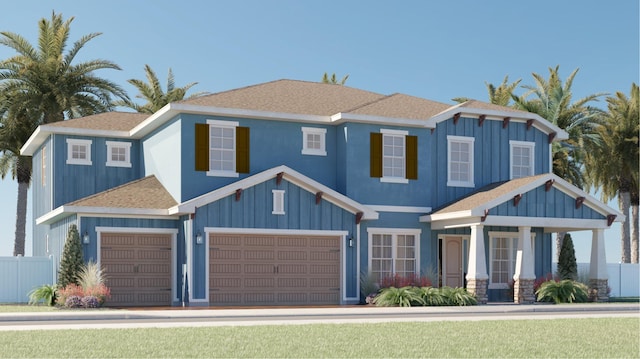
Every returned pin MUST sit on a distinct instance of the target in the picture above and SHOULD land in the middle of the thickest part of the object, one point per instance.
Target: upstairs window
(118, 154)
(313, 141)
(522, 158)
(460, 161)
(78, 152)
(394, 156)
(222, 148)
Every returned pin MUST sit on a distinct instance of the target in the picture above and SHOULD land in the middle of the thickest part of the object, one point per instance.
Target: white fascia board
(342, 117)
(549, 224)
(35, 140)
(399, 209)
(598, 206)
(290, 175)
(540, 122)
(445, 216)
(64, 211)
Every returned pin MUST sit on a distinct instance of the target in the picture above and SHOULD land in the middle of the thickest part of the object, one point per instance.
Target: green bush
(398, 297)
(72, 260)
(45, 293)
(458, 296)
(567, 266)
(433, 296)
(564, 291)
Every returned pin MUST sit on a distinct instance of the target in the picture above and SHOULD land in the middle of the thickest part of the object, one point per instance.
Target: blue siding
(58, 233)
(551, 204)
(73, 182)
(41, 191)
(254, 210)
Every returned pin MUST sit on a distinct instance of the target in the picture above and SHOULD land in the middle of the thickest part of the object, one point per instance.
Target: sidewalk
(358, 311)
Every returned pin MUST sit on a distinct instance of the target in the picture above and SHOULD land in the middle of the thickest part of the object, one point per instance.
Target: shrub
(90, 275)
(538, 282)
(398, 297)
(458, 296)
(432, 296)
(71, 263)
(567, 266)
(101, 292)
(564, 291)
(90, 302)
(409, 280)
(368, 286)
(73, 301)
(71, 290)
(45, 293)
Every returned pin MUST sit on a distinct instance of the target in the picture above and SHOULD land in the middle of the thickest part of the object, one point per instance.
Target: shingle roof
(488, 106)
(108, 121)
(402, 106)
(290, 96)
(486, 194)
(145, 193)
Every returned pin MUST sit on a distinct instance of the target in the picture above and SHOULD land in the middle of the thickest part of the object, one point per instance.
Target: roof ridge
(370, 102)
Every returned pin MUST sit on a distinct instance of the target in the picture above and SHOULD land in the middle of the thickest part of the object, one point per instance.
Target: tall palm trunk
(634, 233)
(624, 200)
(23, 174)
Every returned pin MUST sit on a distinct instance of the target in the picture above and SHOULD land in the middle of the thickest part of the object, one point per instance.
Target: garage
(253, 269)
(137, 268)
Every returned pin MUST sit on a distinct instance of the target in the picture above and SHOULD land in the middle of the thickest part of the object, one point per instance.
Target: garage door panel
(274, 270)
(116, 254)
(217, 253)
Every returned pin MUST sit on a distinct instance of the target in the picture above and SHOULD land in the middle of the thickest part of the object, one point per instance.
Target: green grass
(20, 308)
(624, 299)
(574, 338)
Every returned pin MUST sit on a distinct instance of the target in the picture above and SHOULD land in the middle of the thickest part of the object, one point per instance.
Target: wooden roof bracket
(319, 197)
(516, 199)
(552, 135)
(481, 120)
(505, 122)
(530, 123)
(486, 213)
(610, 219)
(279, 178)
(238, 194)
(548, 184)
(359, 217)
(579, 202)
(456, 117)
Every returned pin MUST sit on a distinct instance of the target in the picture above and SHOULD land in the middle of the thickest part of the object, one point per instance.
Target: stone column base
(478, 287)
(599, 290)
(523, 291)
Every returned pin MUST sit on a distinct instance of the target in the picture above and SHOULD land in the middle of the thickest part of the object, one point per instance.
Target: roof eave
(342, 117)
(66, 211)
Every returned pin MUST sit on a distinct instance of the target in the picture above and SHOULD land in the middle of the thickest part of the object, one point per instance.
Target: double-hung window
(503, 249)
(222, 148)
(118, 154)
(393, 251)
(78, 152)
(460, 161)
(522, 158)
(394, 156)
(313, 141)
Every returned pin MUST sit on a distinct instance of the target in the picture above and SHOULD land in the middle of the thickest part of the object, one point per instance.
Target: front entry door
(453, 262)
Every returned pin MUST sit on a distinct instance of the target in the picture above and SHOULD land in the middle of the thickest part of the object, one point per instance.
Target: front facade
(289, 192)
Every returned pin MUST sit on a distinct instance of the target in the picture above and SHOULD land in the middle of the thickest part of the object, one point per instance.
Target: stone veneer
(478, 287)
(599, 290)
(523, 291)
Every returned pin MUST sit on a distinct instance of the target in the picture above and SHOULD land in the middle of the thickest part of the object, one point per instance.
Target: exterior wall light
(350, 241)
(86, 239)
(199, 239)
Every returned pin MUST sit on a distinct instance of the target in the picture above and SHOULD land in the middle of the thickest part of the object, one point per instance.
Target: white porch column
(598, 276)
(477, 277)
(524, 275)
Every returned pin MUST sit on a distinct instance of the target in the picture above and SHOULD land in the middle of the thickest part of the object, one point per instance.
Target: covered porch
(502, 221)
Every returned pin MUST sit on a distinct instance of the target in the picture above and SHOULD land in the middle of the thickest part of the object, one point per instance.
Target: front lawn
(567, 338)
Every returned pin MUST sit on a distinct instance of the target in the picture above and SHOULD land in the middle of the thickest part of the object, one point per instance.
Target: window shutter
(202, 147)
(376, 155)
(412, 157)
(242, 149)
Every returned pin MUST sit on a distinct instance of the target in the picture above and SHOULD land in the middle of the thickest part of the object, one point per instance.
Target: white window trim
(278, 201)
(127, 154)
(471, 141)
(322, 151)
(78, 161)
(224, 124)
(404, 134)
(532, 161)
(513, 236)
(394, 232)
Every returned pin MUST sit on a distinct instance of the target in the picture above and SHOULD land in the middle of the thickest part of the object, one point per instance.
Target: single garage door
(274, 270)
(137, 268)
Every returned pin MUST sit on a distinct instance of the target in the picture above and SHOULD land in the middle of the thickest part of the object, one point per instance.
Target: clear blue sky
(432, 49)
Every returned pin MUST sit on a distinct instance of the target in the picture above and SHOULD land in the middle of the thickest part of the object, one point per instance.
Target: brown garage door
(273, 270)
(137, 268)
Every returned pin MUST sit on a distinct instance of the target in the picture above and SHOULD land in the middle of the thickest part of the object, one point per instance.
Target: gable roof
(288, 174)
(142, 197)
(471, 208)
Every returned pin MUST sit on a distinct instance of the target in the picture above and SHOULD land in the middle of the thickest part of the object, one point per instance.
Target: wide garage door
(274, 270)
(137, 268)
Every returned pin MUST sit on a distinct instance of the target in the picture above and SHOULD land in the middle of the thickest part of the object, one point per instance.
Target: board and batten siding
(56, 237)
(41, 193)
(254, 209)
(550, 204)
(491, 153)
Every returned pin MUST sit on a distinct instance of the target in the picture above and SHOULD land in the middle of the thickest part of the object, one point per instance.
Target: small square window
(313, 141)
(78, 152)
(118, 154)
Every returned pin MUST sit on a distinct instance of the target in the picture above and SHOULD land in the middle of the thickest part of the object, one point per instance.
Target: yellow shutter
(376, 155)
(412, 157)
(242, 149)
(202, 147)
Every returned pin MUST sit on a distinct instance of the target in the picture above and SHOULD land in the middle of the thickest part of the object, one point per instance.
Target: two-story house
(288, 192)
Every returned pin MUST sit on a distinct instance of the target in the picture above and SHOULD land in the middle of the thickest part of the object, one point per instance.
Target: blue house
(288, 192)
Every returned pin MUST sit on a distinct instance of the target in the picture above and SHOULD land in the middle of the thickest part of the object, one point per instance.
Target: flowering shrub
(71, 290)
(90, 302)
(409, 280)
(100, 293)
(73, 301)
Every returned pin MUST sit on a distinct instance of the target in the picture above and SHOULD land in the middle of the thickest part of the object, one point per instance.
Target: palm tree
(500, 95)
(152, 92)
(553, 102)
(42, 85)
(333, 79)
(613, 164)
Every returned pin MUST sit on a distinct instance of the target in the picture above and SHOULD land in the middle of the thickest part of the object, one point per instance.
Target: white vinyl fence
(19, 275)
(624, 278)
